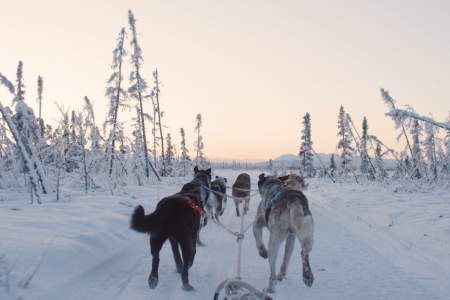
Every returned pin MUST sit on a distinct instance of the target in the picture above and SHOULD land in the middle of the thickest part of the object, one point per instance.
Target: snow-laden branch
(8, 84)
(404, 114)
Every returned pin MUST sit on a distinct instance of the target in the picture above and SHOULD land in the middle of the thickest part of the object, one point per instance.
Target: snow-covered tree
(117, 95)
(366, 164)
(138, 90)
(20, 86)
(73, 152)
(345, 141)
(25, 124)
(158, 114)
(170, 155)
(379, 164)
(199, 146)
(137, 150)
(332, 166)
(40, 90)
(446, 150)
(399, 121)
(185, 159)
(90, 125)
(305, 153)
(81, 143)
(430, 149)
(28, 158)
(417, 162)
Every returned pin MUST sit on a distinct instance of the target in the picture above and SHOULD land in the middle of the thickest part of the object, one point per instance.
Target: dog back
(241, 187)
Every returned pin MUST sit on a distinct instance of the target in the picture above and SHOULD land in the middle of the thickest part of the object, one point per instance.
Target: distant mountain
(287, 157)
(292, 159)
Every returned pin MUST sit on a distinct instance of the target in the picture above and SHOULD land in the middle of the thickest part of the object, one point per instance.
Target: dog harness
(198, 209)
(273, 199)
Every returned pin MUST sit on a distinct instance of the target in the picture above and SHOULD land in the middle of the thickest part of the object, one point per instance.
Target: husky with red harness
(177, 218)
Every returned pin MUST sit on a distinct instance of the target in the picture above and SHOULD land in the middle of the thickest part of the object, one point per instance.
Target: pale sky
(251, 68)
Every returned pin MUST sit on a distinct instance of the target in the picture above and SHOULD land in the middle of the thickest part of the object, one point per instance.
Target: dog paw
(187, 287)
(308, 278)
(262, 252)
(179, 269)
(281, 277)
(200, 243)
(152, 281)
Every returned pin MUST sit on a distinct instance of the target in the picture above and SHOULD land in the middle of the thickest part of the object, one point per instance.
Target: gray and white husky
(217, 198)
(285, 212)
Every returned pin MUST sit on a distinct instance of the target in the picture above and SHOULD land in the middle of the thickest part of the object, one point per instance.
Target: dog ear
(209, 171)
(284, 178)
(261, 176)
(195, 169)
(225, 179)
(217, 177)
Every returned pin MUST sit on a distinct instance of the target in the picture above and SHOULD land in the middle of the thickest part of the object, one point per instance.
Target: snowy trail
(347, 263)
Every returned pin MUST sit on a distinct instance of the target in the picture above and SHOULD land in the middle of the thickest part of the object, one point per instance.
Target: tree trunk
(144, 136)
(163, 171)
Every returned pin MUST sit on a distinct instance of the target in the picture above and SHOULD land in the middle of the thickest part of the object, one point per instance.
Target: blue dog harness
(273, 200)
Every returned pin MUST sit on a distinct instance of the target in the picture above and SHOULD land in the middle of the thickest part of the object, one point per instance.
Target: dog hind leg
(246, 205)
(257, 232)
(275, 240)
(187, 250)
(176, 255)
(304, 230)
(155, 246)
(289, 247)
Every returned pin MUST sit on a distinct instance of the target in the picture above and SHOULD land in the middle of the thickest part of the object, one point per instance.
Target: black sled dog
(176, 218)
(241, 192)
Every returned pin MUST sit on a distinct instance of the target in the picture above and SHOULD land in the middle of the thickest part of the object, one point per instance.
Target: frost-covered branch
(401, 114)
(8, 84)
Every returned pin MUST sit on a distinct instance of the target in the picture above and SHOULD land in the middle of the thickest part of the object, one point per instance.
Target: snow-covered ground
(371, 242)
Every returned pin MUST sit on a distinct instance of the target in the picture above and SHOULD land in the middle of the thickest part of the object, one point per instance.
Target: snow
(371, 242)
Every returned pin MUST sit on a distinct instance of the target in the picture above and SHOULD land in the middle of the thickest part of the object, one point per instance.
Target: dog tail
(141, 222)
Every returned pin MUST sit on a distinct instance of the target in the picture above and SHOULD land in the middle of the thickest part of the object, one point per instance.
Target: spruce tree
(116, 95)
(138, 90)
(185, 159)
(170, 155)
(40, 90)
(379, 164)
(199, 146)
(417, 167)
(157, 119)
(366, 165)
(344, 142)
(28, 132)
(332, 165)
(306, 155)
(430, 148)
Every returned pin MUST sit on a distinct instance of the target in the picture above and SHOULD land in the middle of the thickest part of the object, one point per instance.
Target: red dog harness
(195, 207)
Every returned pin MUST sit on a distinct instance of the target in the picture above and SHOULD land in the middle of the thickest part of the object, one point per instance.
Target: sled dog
(217, 198)
(294, 181)
(285, 212)
(176, 218)
(241, 192)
